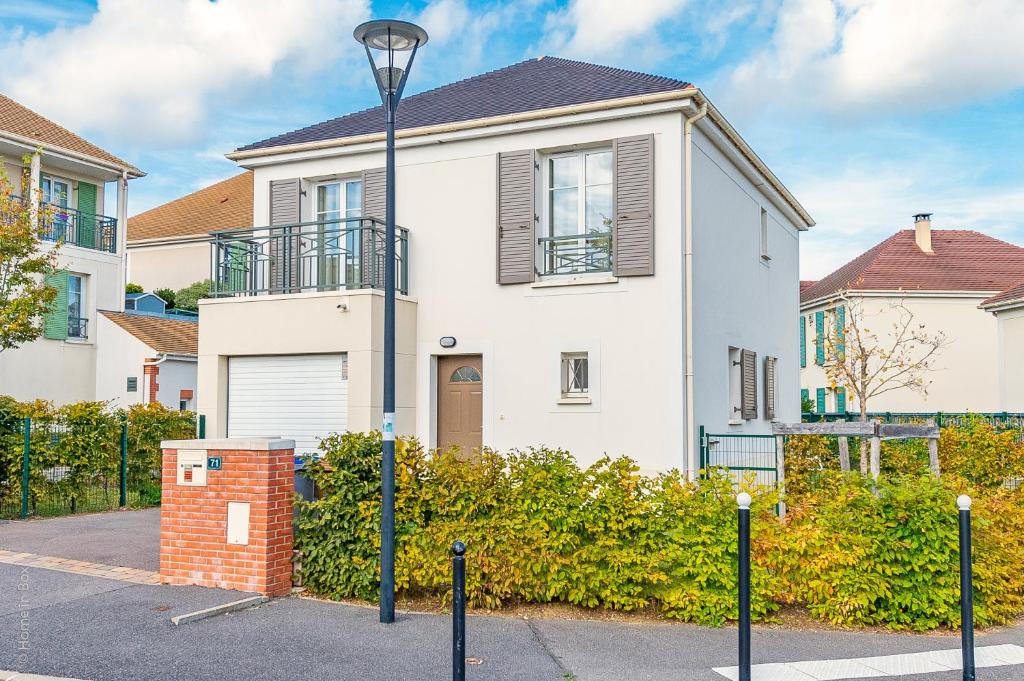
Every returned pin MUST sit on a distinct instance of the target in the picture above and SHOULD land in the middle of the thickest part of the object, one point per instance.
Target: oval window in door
(465, 374)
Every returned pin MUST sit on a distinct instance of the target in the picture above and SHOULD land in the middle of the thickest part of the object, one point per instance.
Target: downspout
(688, 279)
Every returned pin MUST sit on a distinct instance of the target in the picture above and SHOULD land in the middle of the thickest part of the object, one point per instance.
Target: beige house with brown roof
(1008, 309)
(943, 277)
(74, 178)
(168, 246)
(144, 358)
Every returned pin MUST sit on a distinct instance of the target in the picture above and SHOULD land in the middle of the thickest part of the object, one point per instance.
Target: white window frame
(581, 185)
(566, 377)
(82, 305)
(44, 177)
(343, 212)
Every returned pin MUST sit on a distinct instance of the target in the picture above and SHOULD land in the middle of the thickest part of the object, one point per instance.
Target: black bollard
(743, 499)
(966, 588)
(458, 611)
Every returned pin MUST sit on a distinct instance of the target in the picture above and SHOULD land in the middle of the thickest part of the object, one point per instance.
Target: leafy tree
(188, 297)
(133, 288)
(167, 295)
(24, 264)
(869, 363)
(806, 405)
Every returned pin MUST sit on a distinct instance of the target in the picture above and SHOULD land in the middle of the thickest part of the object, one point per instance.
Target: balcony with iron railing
(78, 327)
(323, 255)
(77, 228)
(576, 253)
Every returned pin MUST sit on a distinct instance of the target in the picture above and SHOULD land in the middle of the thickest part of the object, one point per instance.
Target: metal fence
(753, 457)
(78, 228)
(49, 469)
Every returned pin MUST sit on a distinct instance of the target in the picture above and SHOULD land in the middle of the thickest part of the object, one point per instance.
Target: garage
(299, 397)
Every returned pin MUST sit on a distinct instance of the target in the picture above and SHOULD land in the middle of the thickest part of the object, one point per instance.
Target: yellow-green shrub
(980, 454)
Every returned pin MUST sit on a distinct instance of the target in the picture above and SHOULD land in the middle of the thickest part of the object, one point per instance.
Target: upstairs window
(77, 322)
(339, 253)
(578, 212)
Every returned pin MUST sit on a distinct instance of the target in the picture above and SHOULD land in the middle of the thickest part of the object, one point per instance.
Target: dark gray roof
(542, 83)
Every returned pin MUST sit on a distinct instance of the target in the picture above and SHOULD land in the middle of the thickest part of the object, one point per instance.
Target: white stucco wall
(1010, 359)
(964, 375)
(172, 266)
(740, 299)
(176, 375)
(632, 327)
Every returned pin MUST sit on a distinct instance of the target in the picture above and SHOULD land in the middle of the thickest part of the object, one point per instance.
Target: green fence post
(201, 426)
(702, 464)
(25, 467)
(124, 462)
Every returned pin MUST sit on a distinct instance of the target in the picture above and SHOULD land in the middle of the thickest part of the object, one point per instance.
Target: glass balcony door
(336, 250)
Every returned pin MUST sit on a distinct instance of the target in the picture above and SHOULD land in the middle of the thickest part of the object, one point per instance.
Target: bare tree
(868, 362)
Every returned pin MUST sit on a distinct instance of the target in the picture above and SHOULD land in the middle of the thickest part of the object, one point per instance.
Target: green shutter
(805, 395)
(819, 406)
(841, 330)
(841, 400)
(55, 322)
(86, 236)
(803, 342)
(819, 338)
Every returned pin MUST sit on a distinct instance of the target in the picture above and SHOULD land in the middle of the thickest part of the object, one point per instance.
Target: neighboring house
(168, 246)
(73, 177)
(144, 302)
(941, 276)
(1008, 308)
(147, 357)
(587, 262)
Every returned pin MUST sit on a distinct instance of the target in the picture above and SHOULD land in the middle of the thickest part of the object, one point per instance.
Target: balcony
(326, 255)
(576, 253)
(78, 327)
(76, 228)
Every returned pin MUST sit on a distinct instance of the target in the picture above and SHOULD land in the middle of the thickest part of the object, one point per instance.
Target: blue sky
(868, 110)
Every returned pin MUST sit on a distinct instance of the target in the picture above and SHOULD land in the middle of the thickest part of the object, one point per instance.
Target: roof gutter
(690, 93)
(73, 155)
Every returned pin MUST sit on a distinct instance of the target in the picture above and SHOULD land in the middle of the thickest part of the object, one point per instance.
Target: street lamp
(384, 40)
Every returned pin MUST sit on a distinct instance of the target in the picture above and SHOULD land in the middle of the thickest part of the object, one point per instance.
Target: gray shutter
(633, 197)
(748, 381)
(375, 186)
(517, 217)
(285, 259)
(769, 387)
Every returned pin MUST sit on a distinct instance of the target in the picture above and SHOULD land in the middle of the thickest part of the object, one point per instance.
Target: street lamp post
(384, 40)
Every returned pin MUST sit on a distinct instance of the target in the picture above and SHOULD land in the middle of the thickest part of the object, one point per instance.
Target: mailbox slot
(192, 467)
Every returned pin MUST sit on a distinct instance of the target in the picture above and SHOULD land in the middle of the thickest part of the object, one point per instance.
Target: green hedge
(540, 528)
(83, 441)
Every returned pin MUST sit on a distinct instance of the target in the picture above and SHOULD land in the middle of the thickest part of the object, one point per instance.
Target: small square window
(575, 374)
(133, 384)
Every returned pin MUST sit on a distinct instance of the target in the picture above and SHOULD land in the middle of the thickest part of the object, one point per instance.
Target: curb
(216, 610)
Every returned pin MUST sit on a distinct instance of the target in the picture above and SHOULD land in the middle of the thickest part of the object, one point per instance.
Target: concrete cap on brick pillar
(250, 444)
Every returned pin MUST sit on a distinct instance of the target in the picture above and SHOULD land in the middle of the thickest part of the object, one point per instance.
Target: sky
(868, 110)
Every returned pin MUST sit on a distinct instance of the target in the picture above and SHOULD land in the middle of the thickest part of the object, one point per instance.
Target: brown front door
(460, 406)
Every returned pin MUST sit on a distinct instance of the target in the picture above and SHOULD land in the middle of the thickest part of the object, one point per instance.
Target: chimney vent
(923, 231)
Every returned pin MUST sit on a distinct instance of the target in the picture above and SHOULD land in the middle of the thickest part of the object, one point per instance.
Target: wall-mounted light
(447, 341)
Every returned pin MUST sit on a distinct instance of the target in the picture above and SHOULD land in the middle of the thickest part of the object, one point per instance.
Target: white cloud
(442, 19)
(150, 70)
(866, 202)
(601, 28)
(844, 55)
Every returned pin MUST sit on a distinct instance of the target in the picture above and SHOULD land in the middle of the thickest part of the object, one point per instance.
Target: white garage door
(299, 397)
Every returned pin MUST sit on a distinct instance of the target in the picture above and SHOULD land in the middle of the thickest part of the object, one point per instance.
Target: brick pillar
(255, 477)
(151, 371)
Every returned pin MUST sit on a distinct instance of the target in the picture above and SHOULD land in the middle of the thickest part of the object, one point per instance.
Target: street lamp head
(387, 41)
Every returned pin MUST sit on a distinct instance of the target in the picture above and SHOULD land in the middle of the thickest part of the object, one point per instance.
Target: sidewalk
(98, 629)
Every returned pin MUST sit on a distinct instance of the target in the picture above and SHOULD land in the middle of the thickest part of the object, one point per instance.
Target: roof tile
(532, 85)
(20, 120)
(160, 333)
(225, 205)
(963, 260)
(1012, 294)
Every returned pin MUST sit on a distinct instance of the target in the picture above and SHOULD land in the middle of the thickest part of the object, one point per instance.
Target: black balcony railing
(325, 255)
(576, 254)
(77, 228)
(78, 327)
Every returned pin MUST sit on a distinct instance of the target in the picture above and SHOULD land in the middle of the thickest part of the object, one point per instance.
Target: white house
(942, 277)
(1008, 308)
(168, 246)
(591, 258)
(73, 176)
(145, 357)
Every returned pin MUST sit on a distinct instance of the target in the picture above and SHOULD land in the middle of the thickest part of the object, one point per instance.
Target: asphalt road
(102, 630)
